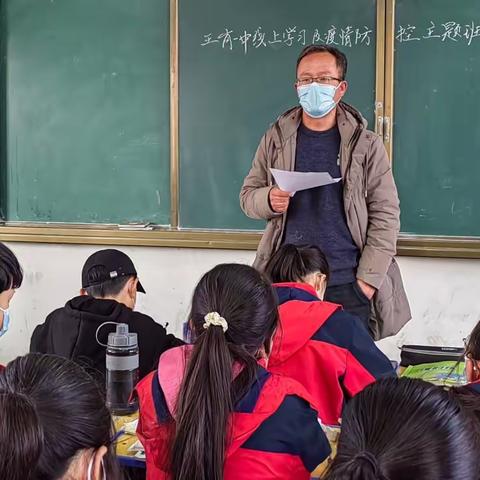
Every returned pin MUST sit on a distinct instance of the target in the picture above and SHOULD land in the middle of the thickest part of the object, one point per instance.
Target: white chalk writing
(450, 31)
(347, 36)
(228, 39)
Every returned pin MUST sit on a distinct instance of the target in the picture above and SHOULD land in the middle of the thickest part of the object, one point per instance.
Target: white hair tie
(215, 319)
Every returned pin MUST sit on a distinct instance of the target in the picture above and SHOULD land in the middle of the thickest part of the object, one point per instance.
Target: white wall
(444, 293)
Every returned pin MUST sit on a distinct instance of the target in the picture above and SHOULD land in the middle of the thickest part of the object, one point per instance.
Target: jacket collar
(349, 121)
(288, 291)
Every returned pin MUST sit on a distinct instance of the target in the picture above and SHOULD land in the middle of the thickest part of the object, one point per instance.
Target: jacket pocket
(268, 242)
(359, 293)
(390, 310)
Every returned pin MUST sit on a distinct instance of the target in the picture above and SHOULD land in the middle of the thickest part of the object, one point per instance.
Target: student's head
(402, 428)
(11, 277)
(472, 355)
(110, 274)
(233, 319)
(301, 264)
(55, 425)
(469, 399)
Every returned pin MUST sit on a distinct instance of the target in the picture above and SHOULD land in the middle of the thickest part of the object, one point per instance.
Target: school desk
(124, 442)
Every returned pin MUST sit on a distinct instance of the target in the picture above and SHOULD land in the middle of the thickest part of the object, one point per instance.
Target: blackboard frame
(174, 236)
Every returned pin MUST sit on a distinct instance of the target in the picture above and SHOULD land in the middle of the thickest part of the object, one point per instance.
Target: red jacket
(275, 432)
(326, 349)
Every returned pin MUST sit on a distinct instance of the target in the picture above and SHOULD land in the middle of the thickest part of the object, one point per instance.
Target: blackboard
(436, 130)
(236, 70)
(86, 86)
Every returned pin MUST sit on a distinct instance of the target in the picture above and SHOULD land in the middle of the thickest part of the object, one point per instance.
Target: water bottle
(122, 370)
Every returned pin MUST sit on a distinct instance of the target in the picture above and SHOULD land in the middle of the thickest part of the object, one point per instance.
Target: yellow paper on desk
(444, 374)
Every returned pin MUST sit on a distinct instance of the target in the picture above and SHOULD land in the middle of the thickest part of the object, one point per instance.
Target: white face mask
(6, 321)
(90, 469)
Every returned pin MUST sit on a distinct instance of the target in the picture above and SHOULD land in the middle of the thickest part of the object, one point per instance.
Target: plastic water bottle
(122, 370)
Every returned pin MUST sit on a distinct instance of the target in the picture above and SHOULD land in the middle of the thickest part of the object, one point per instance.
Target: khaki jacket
(371, 207)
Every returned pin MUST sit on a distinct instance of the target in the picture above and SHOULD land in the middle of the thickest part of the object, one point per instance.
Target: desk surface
(127, 457)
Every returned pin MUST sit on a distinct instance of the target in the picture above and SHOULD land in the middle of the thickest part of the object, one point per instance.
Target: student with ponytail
(54, 422)
(399, 429)
(326, 349)
(212, 411)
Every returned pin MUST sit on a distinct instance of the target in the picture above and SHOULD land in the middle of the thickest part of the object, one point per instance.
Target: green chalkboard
(436, 131)
(3, 108)
(230, 91)
(87, 122)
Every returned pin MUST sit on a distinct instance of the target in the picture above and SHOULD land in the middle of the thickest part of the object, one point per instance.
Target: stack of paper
(296, 181)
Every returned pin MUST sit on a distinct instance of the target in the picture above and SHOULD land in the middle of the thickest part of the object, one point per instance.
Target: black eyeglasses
(325, 79)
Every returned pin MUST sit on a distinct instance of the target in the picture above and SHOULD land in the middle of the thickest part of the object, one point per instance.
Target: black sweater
(70, 332)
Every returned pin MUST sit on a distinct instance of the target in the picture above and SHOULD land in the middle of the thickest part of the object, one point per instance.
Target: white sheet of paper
(296, 181)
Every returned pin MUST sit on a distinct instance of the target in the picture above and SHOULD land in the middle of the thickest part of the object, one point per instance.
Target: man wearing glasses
(355, 221)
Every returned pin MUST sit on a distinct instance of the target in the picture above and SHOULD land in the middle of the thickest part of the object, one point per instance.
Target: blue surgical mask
(316, 99)
(6, 321)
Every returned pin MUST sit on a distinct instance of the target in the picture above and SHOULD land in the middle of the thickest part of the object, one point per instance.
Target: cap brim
(140, 287)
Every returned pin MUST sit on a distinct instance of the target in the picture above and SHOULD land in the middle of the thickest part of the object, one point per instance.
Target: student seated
(11, 277)
(109, 292)
(472, 359)
(212, 411)
(55, 425)
(400, 429)
(327, 350)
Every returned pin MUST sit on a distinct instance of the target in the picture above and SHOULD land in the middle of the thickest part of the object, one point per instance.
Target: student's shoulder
(58, 314)
(339, 329)
(143, 320)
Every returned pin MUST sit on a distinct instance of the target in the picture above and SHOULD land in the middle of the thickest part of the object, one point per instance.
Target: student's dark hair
(404, 428)
(470, 402)
(472, 344)
(209, 391)
(340, 57)
(51, 409)
(11, 274)
(291, 263)
(108, 288)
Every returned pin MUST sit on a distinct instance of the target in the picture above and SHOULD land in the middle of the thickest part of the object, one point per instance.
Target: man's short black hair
(340, 57)
(109, 288)
(11, 274)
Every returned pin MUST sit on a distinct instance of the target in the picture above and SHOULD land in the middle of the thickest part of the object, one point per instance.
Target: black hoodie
(70, 332)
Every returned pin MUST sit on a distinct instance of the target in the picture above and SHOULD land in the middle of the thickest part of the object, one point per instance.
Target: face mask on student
(317, 99)
(90, 469)
(6, 321)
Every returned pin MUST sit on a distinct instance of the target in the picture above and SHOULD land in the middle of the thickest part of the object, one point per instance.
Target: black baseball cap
(116, 264)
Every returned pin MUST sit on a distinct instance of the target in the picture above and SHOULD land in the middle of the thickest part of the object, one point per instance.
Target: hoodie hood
(71, 331)
(302, 314)
(93, 309)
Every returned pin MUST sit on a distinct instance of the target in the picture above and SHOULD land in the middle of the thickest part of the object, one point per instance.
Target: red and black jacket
(326, 349)
(275, 432)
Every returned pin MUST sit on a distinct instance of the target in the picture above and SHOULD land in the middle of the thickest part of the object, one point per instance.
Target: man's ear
(341, 91)
(83, 292)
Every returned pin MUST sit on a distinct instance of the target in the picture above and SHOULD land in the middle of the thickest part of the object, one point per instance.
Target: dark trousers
(352, 299)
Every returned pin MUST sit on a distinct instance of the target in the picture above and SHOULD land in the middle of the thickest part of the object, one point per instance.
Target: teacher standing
(356, 221)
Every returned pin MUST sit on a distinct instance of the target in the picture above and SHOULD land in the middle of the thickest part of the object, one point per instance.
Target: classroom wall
(444, 293)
